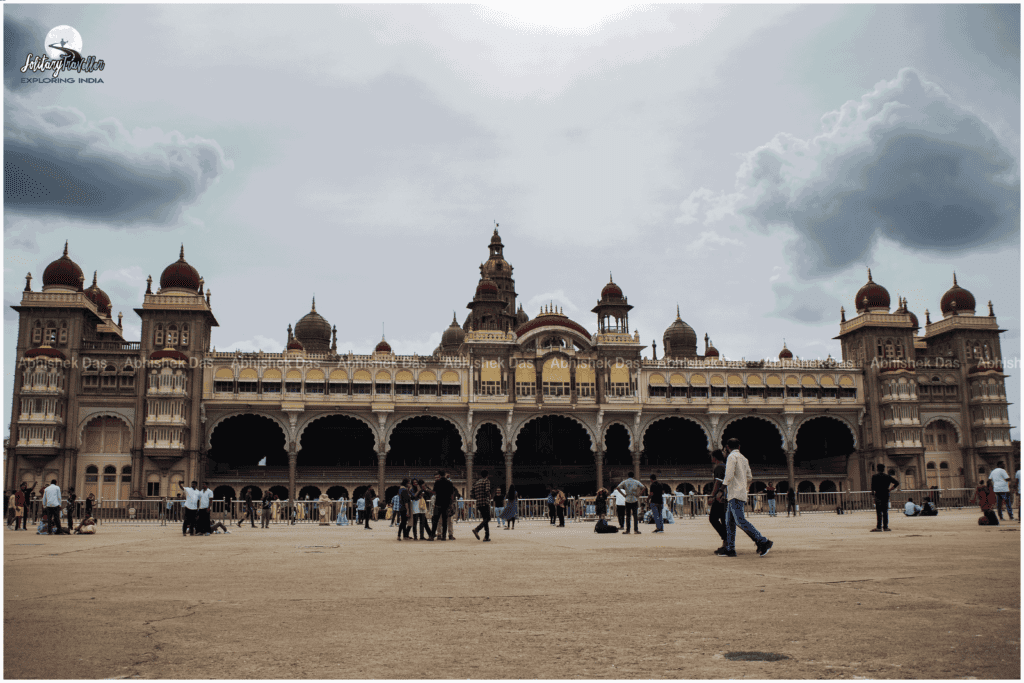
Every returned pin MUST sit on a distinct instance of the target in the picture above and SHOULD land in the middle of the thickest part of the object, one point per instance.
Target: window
(90, 381)
(585, 389)
(450, 389)
(943, 465)
(699, 392)
(222, 386)
(128, 381)
(382, 388)
(776, 392)
(618, 389)
(153, 488)
(126, 474)
(735, 392)
(361, 388)
(64, 334)
(489, 388)
(314, 387)
(91, 474)
(829, 393)
(271, 387)
(755, 393)
(338, 388)
(37, 334)
(293, 387)
(404, 389)
(428, 389)
(247, 387)
(526, 388)
(184, 335)
(717, 392)
(660, 391)
(158, 337)
(172, 335)
(109, 474)
(556, 388)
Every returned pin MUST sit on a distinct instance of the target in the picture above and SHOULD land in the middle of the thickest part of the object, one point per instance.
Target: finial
(94, 278)
(610, 276)
(954, 279)
(314, 304)
(842, 314)
(208, 292)
(455, 321)
(783, 342)
(65, 247)
(927, 317)
(289, 331)
(28, 283)
(149, 284)
(181, 254)
(677, 312)
(869, 275)
(990, 311)
(119, 316)
(202, 282)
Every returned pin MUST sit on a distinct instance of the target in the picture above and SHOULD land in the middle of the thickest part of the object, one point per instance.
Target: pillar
(293, 459)
(790, 465)
(636, 464)
(381, 464)
(469, 474)
(508, 470)
(599, 466)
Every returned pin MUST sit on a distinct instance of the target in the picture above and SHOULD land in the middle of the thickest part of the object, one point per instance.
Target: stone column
(792, 468)
(293, 458)
(636, 464)
(381, 464)
(469, 475)
(599, 466)
(508, 470)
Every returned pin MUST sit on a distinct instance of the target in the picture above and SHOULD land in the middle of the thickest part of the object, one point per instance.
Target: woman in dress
(511, 509)
(275, 508)
(324, 510)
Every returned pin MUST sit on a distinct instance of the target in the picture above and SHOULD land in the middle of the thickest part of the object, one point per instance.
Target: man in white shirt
(1001, 487)
(620, 507)
(51, 506)
(203, 516)
(911, 510)
(191, 507)
(737, 480)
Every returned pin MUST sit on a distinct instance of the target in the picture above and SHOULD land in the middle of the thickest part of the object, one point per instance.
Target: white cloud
(257, 343)
(556, 297)
(710, 239)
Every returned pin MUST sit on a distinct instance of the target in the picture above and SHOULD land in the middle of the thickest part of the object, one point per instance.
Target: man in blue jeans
(737, 480)
(1001, 486)
(656, 492)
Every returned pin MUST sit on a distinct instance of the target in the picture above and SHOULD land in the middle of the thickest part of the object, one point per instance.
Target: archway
(337, 493)
(489, 453)
(226, 494)
(822, 443)
(760, 441)
(758, 487)
(782, 487)
(257, 492)
(616, 447)
(944, 461)
(280, 491)
(828, 486)
(686, 488)
(244, 440)
(709, 487)
(805, 487)
(556, 448)
(425, 441)
(337, 441)
(675, 442)
(359, 492)
(313, 492)
(389, 494)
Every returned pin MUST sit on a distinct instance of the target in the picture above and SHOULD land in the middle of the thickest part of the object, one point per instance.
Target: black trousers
(882, 513)
(620, 510)
(631, 509)
(366, 519)
(403, 523)
(52, 518)
(790, 507)
(485, 516)
(249, 514)
(203, 521)
(717, 519)
(440, 518)
(419, 520)
(189, 525)
(551, 512)
(561, 515)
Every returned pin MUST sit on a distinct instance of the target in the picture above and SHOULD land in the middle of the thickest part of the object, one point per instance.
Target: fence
(577, 509)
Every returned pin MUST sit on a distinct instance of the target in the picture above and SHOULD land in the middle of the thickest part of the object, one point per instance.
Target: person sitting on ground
(910, 509)
(87, 526)
(218, 525)
(929, 509)
(601, 503)
(986, 498)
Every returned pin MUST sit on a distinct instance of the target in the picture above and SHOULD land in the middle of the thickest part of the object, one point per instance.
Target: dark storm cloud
(905, 163)
(20, 38)
(57, 163)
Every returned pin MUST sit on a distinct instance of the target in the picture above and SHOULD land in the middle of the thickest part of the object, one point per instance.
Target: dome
(495, 238)
(785, 354)
(877, 297)
(313, 331)
(679, 339)
(44, 352)
(168, 354)
(180, 275)
(454, 335)
(521, 316)
(611, 290)
(63, 273)
(98, 297)
(712, 352)
(550, 316)
(295, 345)
(956, 299)
(496, 266)
(487, 288)
(382, 347)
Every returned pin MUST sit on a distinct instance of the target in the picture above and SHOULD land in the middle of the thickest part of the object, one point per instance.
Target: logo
(62, 52)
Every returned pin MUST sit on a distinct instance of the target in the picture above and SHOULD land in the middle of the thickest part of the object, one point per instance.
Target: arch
(272, 375)
(337, 493)
(754, 381)
(840, 418)
(256, 491)
(382, 377)
(84, 422)
(403, 376)
(656, 379)
(617, 443)
(805, 487)
(489, 445)
(479, 425)
(686, 487)
(279, 491)
(440, 416)
(426, 376)
(827, 486)
(224, 374)
(310, 420)
(950, 420)
(611, 423)
(362, 376)
(248, 375)
(213, 425)
(337, 439)
(426, 441)
(223, 492)
(519, 428)
(757, 416)
(244, 440)
(703, 428)
(450, 377)
(757, 486)
(315, 375)
(339, 375)
(312, 491)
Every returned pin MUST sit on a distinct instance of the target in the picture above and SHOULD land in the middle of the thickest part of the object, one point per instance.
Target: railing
(111, 345)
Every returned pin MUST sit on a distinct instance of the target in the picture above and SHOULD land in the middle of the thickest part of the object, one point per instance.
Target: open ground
(935, 598)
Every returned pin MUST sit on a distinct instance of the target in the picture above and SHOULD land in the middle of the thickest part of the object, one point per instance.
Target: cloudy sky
(747, 163)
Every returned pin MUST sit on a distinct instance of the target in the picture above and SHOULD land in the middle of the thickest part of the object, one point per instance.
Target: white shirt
(376, 502)
(191, 498)
(204, 499)
(51, 496)
(620, 498)
(1000, 480)
(909, 509)
(737, 476)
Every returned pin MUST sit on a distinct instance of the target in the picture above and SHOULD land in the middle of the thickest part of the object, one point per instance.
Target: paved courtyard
(935, 598)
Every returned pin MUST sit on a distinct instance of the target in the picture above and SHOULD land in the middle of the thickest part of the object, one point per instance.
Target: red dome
(98, 297)
(611, 291)
(44, 351)
(964, 300)
(785, 354)
(180, 275)
(64, 273)
(168, 354)
(712, 352)
(295, 345)
(545, 319)
(486, 286)
(877, 296)
(382, 347)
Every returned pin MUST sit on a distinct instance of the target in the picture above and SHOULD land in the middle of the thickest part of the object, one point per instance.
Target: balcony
(111, 345)
(166, 420)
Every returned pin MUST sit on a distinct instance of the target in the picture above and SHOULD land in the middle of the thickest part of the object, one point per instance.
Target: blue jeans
(771, 507)
(656, 513)
(734, 518)
(1005, 497)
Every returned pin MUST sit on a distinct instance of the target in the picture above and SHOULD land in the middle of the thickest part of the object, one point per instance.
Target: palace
(536, 401)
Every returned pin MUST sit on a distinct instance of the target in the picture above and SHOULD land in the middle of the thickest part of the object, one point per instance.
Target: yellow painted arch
(247, 375)
(846, 381)
(294, 376)
(754, 381)
(656, 379)
(774, 381)
(272, 374)
(525, 372)
(339, 376)
(808, 381)
(403, 376)
(717, 380)
(450, 377)
(735, 381)
(490, 371)
(315, 375)
(677, 380)
(827, 381)
(362, 376)
(383, 376)
(698, 380)
(224, 373)
(427, 376)
(584, 374)
(792, 381)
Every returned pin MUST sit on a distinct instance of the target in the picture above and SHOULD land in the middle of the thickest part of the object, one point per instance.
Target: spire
(66, 248)
(954, 279)
(991, 312)
(610, 276)
(456, 322)
(842, 314)
(149, 284)
(314, 304)
(677, 312)
(869, 275)
(181, 254)
(28, 286)
(94, 278)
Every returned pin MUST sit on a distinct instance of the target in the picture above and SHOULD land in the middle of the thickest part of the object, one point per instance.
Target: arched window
(109, 474)
(184, 335)
(37, 333)
(930, 466)
(158, 336)
(172, 335)
(64, 333)
(92, 474)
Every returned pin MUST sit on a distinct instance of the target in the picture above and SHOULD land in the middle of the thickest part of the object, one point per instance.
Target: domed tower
(489, 309)
(314, 332)
(521, 316)
(452, 338)
(679, 341)
(612, 310)
(179, 277)
(872, 297)
(98, 297)
(956, 301)
(63, 275)
(785, 353)
(499, 271)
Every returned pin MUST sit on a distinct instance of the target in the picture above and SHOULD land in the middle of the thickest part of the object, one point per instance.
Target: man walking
(444, 490)
(769, 495)
(203, 516)
(51, 507)
(72, 501)
(248, 512)
(717, 514)
(1001, 486)
(737, 480)
(791, 501)
(551, 505)
(368, 504)
(266, 509)
(631, 488)
(620, 507)
(482, 494)
(404, 510)
(657, 490)
(880, 485)
(191, 508)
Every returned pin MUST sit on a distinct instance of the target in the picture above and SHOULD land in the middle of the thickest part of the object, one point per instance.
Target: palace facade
(537, 401)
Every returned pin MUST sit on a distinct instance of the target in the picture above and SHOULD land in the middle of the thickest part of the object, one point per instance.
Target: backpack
(603, 527)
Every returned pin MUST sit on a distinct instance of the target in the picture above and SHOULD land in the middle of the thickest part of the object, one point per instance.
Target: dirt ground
(935, 598)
